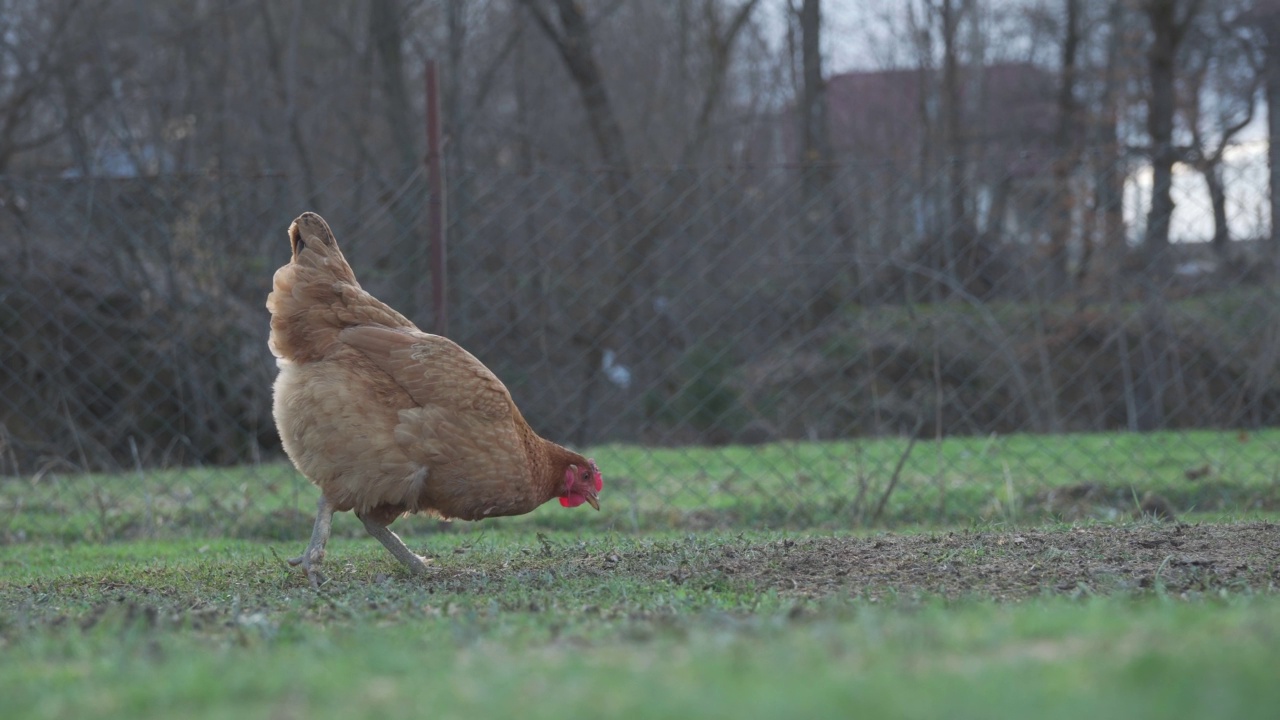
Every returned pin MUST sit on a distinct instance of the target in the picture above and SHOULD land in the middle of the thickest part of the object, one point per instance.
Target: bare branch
(489, 75)
(721, 47)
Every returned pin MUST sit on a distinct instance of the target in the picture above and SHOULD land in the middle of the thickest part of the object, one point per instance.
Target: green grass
(781, 485)
(1051, 660)
(517, 625)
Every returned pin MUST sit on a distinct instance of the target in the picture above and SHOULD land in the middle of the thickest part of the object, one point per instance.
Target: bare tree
(1271, 32)
(953, 130)
(1066, 140)
(572, 38)
(815, 141)
(1169, 21)
(282, 57)
(630, 247)
(720, 41)
(955, 248)
(1264, 17)
(1222, 80)
(815, 165)
(1104, 253)
(48, 83)
(385, 23)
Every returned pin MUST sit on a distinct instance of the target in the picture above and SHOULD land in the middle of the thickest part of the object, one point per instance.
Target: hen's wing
(434, 370)
(463, 428)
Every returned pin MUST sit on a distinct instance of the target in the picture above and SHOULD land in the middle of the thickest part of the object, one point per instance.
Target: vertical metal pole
(436, 206)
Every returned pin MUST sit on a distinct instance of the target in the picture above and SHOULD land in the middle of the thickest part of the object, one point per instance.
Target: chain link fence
(769, 345)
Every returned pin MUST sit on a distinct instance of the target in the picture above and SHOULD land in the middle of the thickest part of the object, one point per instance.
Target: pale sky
(845, 41)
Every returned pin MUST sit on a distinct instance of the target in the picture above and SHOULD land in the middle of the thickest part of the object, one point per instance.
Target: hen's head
(582, 484)
(313, 244)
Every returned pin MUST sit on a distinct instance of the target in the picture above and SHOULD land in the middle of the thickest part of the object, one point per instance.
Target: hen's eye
(301, 245)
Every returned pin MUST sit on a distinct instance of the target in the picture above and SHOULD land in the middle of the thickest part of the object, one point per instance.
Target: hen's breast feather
(338, 426)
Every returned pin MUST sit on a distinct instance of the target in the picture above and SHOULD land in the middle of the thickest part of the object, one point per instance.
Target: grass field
(798, 485)
(716, 583)
(711, 624)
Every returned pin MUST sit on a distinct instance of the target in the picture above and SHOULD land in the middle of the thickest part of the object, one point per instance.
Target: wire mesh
(780, 345)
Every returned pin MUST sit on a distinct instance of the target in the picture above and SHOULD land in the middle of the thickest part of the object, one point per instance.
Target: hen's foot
(310, 558)
(416, 563)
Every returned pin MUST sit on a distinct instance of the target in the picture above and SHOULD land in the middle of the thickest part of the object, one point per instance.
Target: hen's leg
(311, 557)
(392, 542)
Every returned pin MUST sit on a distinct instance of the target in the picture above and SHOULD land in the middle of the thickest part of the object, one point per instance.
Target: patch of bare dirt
(1098, 559)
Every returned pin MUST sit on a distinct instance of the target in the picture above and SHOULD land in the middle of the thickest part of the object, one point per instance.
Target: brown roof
(878, 116)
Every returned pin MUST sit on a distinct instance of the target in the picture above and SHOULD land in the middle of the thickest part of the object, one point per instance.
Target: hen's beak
(592, 501)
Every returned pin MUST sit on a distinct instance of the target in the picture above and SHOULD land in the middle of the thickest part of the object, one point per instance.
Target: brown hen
(386, 419)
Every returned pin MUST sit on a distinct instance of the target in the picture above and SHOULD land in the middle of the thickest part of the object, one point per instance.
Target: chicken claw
(416, 563)
(310, 558)
(309, 561)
